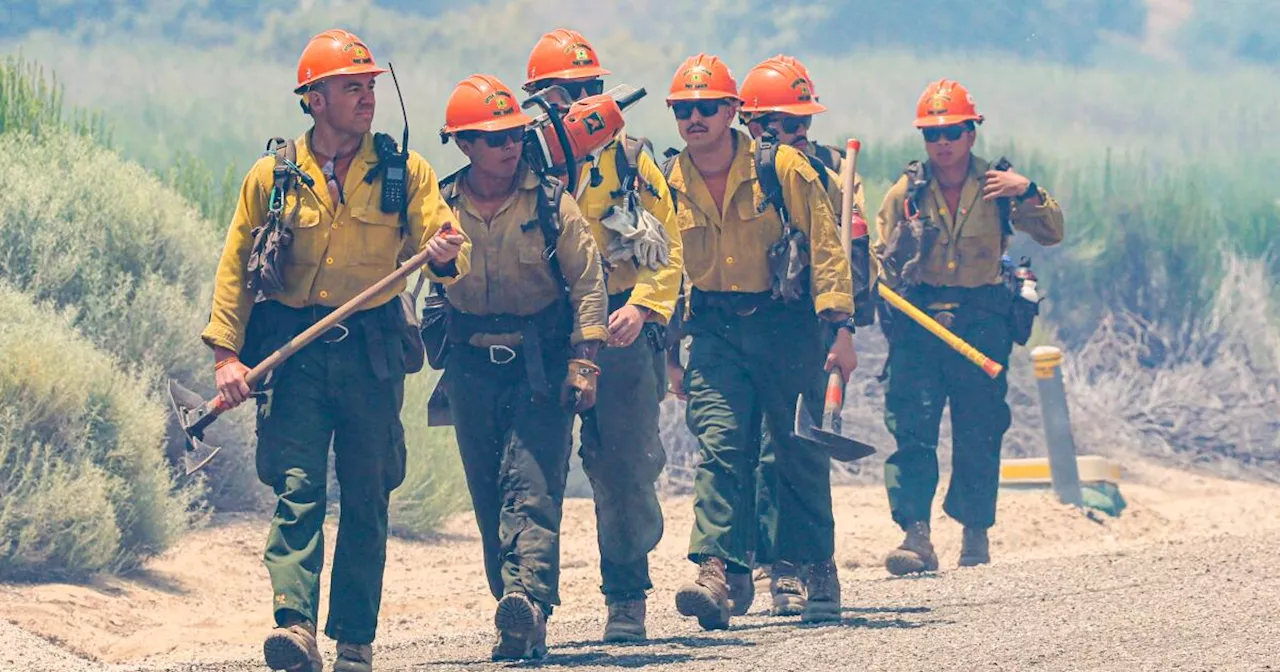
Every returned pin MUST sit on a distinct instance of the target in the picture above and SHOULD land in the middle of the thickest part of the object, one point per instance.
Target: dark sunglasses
(706, 108)
(590, 87)
(788, 123)
(494, 139)
(951, 133)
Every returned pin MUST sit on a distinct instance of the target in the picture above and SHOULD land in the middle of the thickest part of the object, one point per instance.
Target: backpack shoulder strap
(917, 183)
(1005, 207)
(821, 167)
(765, 158)
(549, 195)
(627, 163)
(668, 164)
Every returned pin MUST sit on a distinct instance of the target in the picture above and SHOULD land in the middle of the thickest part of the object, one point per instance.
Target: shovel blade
(186, 406)
(837, 445)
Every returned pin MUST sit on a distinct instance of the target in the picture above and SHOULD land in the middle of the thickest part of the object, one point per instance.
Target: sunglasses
(706, 108)
(590, 87)
(788, 123)
(951, 133)
(494, 139)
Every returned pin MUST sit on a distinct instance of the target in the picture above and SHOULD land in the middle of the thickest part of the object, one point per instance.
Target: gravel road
(1211, 604)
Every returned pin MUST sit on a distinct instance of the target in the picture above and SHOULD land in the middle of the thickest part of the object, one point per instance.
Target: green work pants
(924, 374)
(330, 392)
(515, 448)
(743, 369)
(622, 456)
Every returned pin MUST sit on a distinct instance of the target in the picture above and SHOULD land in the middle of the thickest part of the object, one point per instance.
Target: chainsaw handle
(570, 164)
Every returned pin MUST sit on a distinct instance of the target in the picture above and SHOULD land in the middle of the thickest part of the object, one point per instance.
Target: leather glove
(579, 390)
(640, 235)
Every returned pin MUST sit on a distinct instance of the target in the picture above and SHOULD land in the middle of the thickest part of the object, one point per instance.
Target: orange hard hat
(334, 52)
(945, 103)
(563, 54)
(795, 63)
(703, 77)
(775, 86)
(482, 103)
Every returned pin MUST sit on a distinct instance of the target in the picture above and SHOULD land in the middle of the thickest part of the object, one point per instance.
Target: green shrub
(84, 484)
(434, 487)
(90, 232)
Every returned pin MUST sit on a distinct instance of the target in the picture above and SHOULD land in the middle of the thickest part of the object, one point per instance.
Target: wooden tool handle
(833, 402)
(991, 367)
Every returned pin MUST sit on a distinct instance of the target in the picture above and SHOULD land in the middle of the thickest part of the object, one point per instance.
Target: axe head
(839, 446)
(188, 407)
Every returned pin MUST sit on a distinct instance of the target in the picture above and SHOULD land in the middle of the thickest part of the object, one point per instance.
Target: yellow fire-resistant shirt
(970, 243)
(728, 252)
(338, 251)
(655, 290)
(509, 275)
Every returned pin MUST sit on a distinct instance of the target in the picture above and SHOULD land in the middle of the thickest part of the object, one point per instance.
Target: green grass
(434, 487)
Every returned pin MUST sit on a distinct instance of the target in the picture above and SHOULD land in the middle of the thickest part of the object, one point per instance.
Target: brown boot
(761, 578)
(975, 548)
(707, 598)
(292, 648)
(823, 593)
(787, 590)
(626, 621)
(915, 554)
(742, 592)
(354, 658)
(522, 629)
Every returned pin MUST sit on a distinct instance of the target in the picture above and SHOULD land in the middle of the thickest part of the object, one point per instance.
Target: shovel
(195, 414)
(827, 435)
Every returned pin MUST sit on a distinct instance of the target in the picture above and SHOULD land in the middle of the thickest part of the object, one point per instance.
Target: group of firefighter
(719, 276)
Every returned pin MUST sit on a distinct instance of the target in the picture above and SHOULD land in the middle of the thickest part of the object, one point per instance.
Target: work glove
(579, 390)
(640, 235)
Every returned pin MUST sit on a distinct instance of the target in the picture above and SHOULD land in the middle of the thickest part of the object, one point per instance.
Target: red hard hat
(482, 103)
(563, 54)
(945, 103)
(334, 52)
(703, 77)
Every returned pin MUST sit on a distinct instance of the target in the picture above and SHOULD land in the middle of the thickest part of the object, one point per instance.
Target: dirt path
(1186, 575)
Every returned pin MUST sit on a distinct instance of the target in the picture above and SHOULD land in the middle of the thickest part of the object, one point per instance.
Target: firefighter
(780, 99)
(524, 328)
(628, 207)
(348, 385)
(746, 210)
(942, 232)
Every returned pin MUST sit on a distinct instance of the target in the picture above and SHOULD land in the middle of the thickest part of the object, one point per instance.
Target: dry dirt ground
(1187, 578)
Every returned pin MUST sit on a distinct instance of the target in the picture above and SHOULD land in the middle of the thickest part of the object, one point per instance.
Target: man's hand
(444, 247)
(229, 376)
(1004, 184)
(842, 355)
(625, 324)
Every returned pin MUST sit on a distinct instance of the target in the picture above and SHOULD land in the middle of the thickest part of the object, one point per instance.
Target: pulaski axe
(195, 414)
(828, 434)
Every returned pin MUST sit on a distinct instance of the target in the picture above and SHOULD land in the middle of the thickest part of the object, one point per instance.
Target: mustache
(697, 127)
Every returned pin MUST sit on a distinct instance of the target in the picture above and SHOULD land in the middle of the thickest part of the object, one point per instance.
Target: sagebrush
(84, 482)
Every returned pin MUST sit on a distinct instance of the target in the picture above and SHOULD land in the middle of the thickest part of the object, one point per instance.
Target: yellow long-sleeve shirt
(655, 290)
(970, 243)
(727, 250)
(509, 275)
(338, 250)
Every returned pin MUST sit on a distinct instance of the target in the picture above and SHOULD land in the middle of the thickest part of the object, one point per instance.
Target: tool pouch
(789, 265)
(1022, 318)
(409, 328)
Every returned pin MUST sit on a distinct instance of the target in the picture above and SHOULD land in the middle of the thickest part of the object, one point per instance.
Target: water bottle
(1027, 281)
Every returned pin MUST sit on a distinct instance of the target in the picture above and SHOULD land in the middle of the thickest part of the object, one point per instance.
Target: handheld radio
(393, 162)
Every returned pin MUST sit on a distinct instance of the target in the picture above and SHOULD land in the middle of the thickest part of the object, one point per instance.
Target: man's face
(949, 146)
(790, 129)
(703, 123)
(495, 154)
(345, 102)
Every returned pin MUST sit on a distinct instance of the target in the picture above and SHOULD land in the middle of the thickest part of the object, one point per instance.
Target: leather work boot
(761, 578)
(915, 554)
(626, 621)
(707, 598)
(354, 658)
(787, 590)
(293, 648)
(823, 587)
(522, 629)
(974, 549)
(742, 592)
